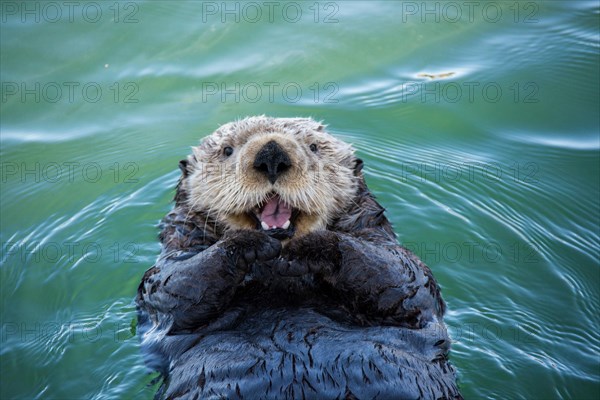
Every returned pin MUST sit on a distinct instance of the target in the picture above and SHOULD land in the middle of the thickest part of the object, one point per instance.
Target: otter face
(285, 176)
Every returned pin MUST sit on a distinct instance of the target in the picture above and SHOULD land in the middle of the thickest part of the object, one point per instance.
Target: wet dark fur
(342, 313)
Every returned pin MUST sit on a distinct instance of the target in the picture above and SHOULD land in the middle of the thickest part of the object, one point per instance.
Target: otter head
(285, 176)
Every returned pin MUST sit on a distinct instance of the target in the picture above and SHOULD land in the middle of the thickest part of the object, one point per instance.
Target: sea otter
(280, 277)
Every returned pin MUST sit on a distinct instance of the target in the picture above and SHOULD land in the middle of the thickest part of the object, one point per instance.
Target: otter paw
(247, 247)
(316, 252)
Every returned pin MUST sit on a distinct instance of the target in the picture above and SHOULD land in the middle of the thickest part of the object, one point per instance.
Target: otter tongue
(275, 213)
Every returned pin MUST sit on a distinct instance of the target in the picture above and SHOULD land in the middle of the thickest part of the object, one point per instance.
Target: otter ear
(183, 164)
(180, 192)
(358, 166)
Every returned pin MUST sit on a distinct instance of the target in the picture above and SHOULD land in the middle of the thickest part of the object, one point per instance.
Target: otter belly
(300, 353)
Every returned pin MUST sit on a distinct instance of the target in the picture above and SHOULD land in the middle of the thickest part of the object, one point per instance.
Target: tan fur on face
(320, 185)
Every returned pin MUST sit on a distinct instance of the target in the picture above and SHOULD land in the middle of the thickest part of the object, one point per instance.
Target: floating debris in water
(437, 76)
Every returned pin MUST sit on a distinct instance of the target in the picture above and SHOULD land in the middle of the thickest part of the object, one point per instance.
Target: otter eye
(227, 151)
(313, 148)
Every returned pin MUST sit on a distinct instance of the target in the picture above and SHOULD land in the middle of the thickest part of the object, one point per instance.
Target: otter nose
(272, 161)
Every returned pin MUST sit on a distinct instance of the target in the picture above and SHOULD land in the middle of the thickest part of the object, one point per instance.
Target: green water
(491, 174)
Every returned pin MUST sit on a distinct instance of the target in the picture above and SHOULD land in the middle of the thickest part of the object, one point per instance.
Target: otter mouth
(276, 218)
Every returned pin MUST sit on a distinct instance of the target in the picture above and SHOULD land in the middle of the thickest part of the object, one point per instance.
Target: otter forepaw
(247, 246)
(316, 252)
